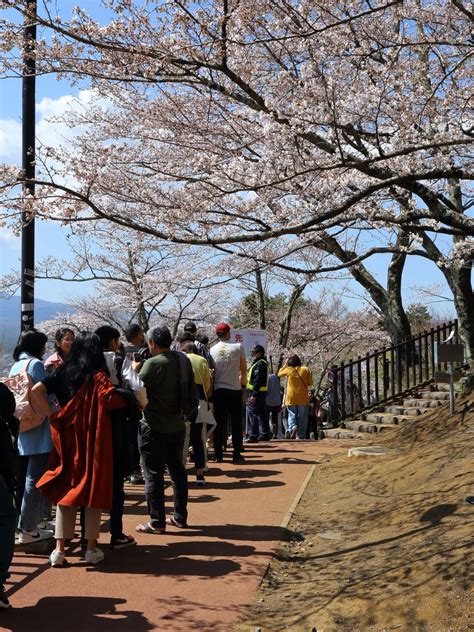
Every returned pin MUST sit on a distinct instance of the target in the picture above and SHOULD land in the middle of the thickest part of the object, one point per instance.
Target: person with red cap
(229, 380)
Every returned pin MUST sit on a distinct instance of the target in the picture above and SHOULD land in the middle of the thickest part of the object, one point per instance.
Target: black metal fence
(384, 374)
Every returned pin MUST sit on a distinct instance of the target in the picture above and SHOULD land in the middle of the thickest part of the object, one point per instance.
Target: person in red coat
(80, 473)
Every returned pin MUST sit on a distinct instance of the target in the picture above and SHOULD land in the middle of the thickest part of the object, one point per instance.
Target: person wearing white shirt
(230, 379)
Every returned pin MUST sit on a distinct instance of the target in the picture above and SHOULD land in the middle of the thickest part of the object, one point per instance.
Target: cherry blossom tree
(230, 122)
(134, 278)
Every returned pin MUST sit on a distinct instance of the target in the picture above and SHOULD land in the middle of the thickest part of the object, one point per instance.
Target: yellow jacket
(299, 380)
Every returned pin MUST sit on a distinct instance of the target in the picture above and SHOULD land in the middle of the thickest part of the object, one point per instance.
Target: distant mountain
(10, 318)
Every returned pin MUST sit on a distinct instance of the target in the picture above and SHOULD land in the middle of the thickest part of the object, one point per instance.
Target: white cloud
(53, 133)
(10, 141)
(48, 132)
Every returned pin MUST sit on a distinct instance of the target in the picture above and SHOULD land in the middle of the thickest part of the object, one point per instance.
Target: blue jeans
(8, 518)
(32, 504)
(298, 418)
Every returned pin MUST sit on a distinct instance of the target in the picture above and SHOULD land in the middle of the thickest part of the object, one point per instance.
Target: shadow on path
(76, 614)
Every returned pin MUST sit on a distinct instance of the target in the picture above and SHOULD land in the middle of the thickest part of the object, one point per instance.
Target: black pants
(195, 438)
(159, 450)
(312, 426)
(132, 443)
(258, 421)
(228, 402)
(272, 414)
(120, 469)
(8, 519)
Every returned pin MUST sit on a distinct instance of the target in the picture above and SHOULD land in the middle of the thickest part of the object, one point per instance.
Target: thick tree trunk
(460, 284)
(388, 301)
(395, 318)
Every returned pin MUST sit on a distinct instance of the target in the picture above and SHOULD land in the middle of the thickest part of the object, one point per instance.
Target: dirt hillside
(381, 543)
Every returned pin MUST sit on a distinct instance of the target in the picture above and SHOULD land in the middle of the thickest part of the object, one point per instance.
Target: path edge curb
(297, 498)
(288, 516)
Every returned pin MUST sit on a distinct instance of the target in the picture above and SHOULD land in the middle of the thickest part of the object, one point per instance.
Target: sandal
(147, 527)
(122, 541)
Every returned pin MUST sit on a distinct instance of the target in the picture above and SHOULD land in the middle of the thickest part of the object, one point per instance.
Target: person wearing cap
(191, 330)
(257, 387)
(230, 379)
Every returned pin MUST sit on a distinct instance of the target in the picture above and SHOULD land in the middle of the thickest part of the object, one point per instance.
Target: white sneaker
(35, 535)
(95, 556)
(57, 558)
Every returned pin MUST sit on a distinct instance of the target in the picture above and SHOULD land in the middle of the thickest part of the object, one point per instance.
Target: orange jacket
(80, 471)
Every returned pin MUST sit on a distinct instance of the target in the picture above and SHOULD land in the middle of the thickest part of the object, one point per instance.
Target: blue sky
(50, 240)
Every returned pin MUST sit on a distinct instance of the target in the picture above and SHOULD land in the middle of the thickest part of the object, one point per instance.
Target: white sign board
(248, 338)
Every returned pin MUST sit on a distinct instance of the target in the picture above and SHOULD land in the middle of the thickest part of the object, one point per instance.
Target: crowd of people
(108, 412)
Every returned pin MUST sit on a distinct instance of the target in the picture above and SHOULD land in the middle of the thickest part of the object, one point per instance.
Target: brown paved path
(195, 579)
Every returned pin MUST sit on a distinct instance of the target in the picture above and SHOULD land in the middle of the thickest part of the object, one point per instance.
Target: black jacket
(258, 376)
(9, 425)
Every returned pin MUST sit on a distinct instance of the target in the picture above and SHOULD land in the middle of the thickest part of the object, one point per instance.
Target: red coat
(80, 471)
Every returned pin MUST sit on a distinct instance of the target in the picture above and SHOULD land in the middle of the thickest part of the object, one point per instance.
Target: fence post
(343, 390)
(333, 405)
(351, 386)
(386, 374)
(367, 376)
(376, 375)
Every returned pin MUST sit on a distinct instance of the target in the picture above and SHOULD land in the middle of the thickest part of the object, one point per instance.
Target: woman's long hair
(85, 359)
(32, 342)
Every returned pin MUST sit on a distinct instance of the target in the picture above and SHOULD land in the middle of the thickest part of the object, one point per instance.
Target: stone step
(422, 403)
(403, 410)
(342, 433)
(438, 395)
(380, 418)
(441, 387)
(386, 418)
(366, 426)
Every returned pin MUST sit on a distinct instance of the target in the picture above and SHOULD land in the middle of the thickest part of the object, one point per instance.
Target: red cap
(222, 328)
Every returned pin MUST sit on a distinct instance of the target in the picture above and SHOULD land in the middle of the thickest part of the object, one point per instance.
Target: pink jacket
(53, 360)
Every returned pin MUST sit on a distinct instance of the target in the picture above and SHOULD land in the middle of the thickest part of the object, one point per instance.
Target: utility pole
(28, 165)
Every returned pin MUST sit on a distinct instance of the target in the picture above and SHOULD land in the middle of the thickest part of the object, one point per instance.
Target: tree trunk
(285, 325)
(460, 285)
(138, 290)
(388, 301)
(260, 299)
(395, 318)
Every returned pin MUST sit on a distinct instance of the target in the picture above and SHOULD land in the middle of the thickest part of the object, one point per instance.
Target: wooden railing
(386, 374)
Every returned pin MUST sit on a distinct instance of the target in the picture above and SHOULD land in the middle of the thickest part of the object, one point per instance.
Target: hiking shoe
(4, 603)
(470, 500)
(238, 459)
(57, 558)
(200, 480)
(176, 523)
(122, 541)
(35, 535)
(94, 557)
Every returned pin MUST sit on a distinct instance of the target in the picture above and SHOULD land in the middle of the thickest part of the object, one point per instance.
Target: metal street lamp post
(28, 166)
